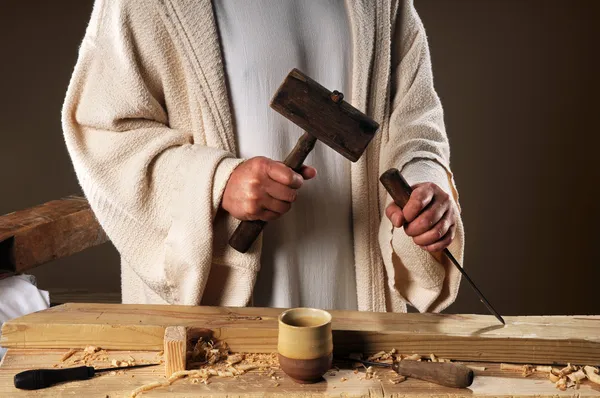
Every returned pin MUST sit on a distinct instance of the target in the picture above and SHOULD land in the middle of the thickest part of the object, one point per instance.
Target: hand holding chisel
(400, 192)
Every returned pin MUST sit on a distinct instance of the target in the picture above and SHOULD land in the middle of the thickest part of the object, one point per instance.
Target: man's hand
(429, 217)
(263, 189)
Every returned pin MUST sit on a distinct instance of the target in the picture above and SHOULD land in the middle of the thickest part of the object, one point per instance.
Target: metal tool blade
(481, 296)
(126, 367)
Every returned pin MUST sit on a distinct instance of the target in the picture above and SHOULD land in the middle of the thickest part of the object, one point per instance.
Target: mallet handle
(247, 232)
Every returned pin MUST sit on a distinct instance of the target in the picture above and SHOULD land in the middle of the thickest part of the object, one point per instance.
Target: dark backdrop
(519, 83)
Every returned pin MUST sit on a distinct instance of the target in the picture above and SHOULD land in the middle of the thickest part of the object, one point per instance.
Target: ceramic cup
(305, 345)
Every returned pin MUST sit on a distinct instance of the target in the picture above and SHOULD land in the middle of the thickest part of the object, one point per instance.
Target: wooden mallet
(324, 116)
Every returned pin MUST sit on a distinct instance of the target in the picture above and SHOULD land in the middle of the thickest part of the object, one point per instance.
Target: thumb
(308, 172)
(395, 215)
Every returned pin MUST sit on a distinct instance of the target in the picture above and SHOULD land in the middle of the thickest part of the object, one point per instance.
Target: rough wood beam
(40, 234)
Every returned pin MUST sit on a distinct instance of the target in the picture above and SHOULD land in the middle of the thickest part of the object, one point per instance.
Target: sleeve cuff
(222, 174)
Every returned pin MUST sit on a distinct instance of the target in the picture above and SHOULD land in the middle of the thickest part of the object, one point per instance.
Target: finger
(276, 206)
(420, 197)
(284, 175)
(441, 244)
(394, 214)
(427, 219)
(308, 172)
(280, 192)
(268, 215)
(436, 233)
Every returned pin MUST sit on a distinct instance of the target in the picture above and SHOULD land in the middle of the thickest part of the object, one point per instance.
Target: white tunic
(307, 257)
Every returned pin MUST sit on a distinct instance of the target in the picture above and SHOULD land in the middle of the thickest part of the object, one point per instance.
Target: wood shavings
(233, 359)
(91, 349)
(246, 367)
(526, 370)
(478, 368)
(545, 369)
(397, 380)
(369, 373)
(561, 384)
(577, 376)
(592, 374)
(146, 387)
(343, 379)
(553, 376)
(376, 356)
(432, 358)
(413, 357)
(567, 370)
(68, 354)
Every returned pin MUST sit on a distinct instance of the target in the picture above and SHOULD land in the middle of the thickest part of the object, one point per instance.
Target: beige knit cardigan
(148, 126)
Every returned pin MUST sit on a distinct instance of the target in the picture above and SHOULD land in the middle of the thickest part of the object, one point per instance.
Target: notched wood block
(175, 343)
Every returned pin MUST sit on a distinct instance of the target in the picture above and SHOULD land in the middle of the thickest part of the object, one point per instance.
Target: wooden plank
(531, 339)
(491, 382)
(44, 233)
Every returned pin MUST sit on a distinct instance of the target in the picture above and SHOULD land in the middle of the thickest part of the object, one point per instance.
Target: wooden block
(175, 347)
(43, 233)
(529, 339)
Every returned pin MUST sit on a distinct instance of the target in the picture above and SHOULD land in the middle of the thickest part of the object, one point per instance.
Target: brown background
(519, 82)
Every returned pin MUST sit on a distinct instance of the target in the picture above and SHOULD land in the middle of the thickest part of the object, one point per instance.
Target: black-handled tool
(42, 378)
(400, 192)
(447, 374)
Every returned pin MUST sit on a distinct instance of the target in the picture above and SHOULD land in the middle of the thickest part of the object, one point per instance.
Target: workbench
(40, 340)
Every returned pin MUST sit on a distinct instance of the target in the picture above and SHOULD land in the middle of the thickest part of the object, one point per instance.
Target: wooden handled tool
(443, 373)
(324, 116)
(400, 192)
(41, 378)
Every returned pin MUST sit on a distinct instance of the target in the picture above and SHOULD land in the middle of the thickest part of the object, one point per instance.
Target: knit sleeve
(153, 187)
(418, 146)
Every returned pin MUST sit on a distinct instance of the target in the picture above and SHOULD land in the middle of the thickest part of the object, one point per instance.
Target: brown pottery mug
(305, 345)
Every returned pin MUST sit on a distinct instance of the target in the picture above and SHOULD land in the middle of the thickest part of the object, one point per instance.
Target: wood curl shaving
(526, 370)
(592, 374)
(478, 368)
(397, 379)
(68, 354)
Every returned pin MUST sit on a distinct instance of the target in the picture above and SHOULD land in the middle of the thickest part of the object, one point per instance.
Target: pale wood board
(489, 383)
(532, 339)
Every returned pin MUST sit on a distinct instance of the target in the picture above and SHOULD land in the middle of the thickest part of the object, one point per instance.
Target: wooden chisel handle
(442, 373)
(396, 186)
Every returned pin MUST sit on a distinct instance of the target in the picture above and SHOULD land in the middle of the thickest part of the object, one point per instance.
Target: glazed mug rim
(284, 313)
